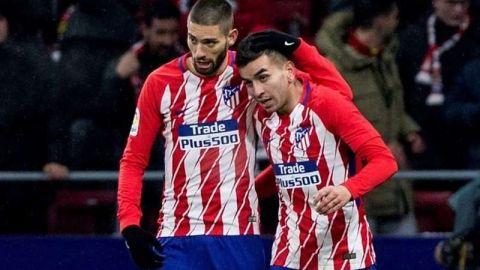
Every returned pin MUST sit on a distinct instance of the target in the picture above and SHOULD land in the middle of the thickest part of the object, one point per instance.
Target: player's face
(209, 46)
(451, 12)
(161, 36)
(268, 83)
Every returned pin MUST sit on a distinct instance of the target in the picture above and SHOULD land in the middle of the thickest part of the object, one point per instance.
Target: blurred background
(71, 70)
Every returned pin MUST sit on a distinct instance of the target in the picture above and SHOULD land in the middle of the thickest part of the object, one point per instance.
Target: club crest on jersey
(296, 174)
(231, 95)
(301, 138)
(209, 135)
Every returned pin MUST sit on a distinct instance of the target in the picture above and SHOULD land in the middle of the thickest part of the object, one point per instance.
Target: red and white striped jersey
(209, 153)
(309, 150)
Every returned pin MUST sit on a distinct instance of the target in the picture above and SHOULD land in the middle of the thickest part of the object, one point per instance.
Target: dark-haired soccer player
(307, 129)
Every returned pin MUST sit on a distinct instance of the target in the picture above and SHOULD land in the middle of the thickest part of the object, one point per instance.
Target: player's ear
(290, 68)
(232, 37)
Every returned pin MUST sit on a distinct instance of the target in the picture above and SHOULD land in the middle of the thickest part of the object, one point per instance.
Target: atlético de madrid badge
(231, 95)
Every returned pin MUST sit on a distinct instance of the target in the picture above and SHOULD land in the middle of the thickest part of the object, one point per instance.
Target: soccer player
(307, 129)
(209, 216)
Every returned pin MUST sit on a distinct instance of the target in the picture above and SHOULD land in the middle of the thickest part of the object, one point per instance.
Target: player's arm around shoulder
(322, 71)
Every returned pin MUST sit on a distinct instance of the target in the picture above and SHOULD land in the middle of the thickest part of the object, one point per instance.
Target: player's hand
(330, 199)
(274, 40)
(144, 248)
(127, 65)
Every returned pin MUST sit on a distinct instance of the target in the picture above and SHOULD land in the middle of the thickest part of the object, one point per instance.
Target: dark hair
(365, 11)
(247, 52)
(213, 12)
(161, 9)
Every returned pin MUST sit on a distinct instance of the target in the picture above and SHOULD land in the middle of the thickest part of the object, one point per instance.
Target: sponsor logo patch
(208, 135)
(297, 174)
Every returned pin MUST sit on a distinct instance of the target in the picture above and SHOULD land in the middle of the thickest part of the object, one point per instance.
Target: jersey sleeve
(307, 58)
(344, 119)
(146, 124)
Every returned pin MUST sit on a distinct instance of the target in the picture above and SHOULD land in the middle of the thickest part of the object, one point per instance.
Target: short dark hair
(247, 53)
(161, 9)
(365, 11)
(213, 12)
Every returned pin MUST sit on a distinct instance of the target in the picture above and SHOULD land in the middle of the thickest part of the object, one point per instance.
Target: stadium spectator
(25, 83)
(204, 115)
(431, 55)
(124, 77)
(306, 130)
(362, 45)
(462, 108)
(96, 32)
(24, 86)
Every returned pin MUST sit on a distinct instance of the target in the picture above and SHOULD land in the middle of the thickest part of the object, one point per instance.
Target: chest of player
(203, 113)
(302, 150)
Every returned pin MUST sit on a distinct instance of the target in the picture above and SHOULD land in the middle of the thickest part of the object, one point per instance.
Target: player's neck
(295, 91)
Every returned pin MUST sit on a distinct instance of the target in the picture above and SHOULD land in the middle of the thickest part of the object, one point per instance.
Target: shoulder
(322, 96)
(330, 106)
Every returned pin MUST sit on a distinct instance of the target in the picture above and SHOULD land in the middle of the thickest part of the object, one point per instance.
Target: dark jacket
(462, 111)
(24, 88)
(96, 33)
(443, 150)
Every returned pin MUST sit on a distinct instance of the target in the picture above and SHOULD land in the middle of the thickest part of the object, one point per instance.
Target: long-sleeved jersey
(209, 153)
(309, 150)
(209, 147)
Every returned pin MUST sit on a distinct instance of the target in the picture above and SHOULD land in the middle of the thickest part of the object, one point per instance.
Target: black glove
(144, 248)
(274, 40)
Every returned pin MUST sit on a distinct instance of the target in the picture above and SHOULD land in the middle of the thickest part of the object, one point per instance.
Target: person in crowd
(96, 32)
(25, 82)
(462, 111)
(306, 129)
(124, 77)
(24, 86)
(362, 45)
(432, 53)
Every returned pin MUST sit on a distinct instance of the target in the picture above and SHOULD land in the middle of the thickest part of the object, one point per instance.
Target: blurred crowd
(71, 71)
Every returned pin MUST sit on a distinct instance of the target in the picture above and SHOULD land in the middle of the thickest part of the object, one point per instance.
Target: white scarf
(431, 69)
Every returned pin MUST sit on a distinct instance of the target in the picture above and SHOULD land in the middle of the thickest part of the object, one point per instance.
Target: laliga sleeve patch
(136, 123)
